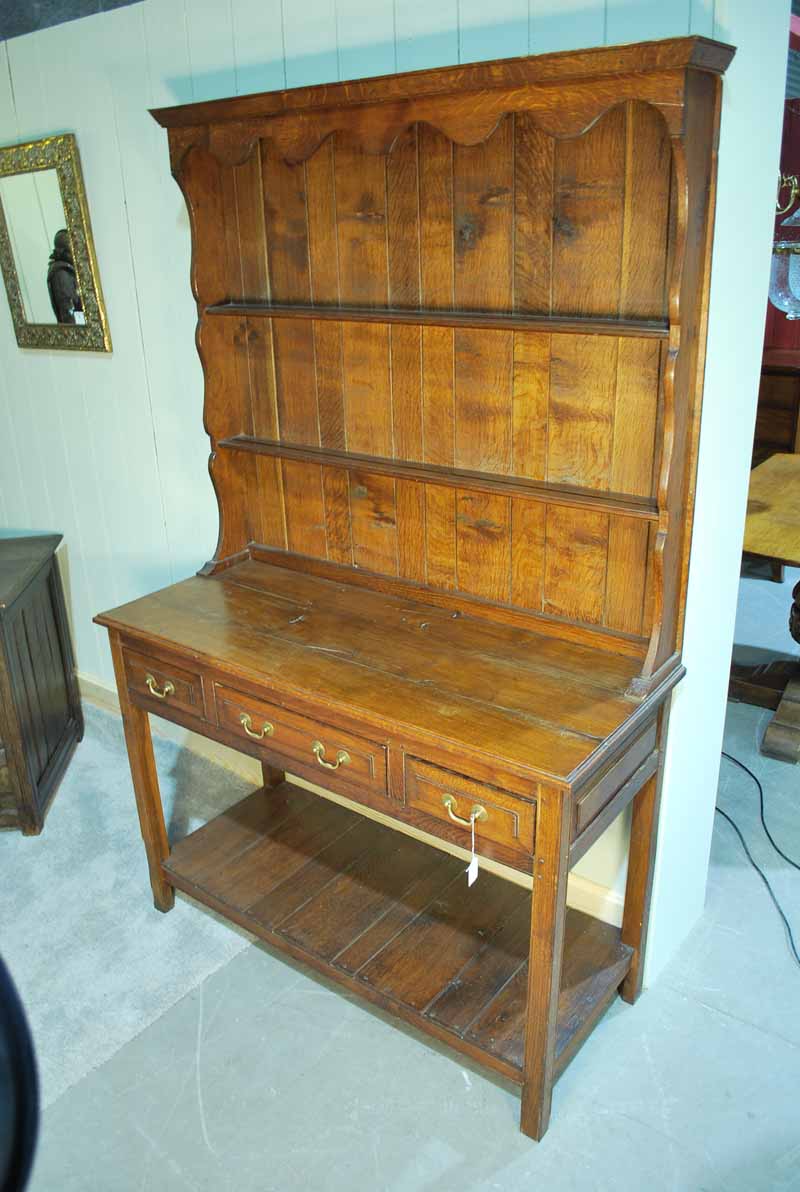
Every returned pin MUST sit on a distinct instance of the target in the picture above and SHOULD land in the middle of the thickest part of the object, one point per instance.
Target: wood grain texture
(373, 522)
(412, 659)
(641, 868)
(392, 920)
(596, 63)
(440, 536)
(771, 527)
(483, 221)
(530, 400)
(145, 783)
(367, 392)
(286, 222)
(438, 419)
(548, 920)
(528, 535)
(436, 218)
(323, 245)
(338, 528)
(360, 180)
(446, 317)
(483, 545)
(534, 154)
(403, 223)
(305, 509)
(483, 367)
(588, 209)
(295, 377)
(583, 373)
(619, 504)
(575, 566)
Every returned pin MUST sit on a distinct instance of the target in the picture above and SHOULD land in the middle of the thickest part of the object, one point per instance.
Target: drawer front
(590, 802)
(163, 683)
(318, 751)
(508, 821)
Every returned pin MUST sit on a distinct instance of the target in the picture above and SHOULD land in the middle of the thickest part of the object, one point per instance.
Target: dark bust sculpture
(62, 281)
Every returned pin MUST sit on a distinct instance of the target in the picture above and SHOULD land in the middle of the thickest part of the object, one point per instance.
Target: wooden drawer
(591, 801)
(509, 822)
(318, 751)
(164, 683)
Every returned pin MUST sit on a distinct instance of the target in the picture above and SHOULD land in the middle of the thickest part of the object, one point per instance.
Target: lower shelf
(392, 919)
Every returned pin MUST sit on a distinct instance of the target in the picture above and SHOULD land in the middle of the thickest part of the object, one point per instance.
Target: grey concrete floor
(266, 1078)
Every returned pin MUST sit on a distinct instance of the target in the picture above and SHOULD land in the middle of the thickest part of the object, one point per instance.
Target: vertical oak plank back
(535, 469)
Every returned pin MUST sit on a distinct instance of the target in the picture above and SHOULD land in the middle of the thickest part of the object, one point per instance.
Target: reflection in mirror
(42, 247)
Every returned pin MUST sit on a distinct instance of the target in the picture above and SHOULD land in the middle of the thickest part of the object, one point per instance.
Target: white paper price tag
(472, 868)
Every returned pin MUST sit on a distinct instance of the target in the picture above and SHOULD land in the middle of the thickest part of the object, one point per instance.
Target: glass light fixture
(784, 279)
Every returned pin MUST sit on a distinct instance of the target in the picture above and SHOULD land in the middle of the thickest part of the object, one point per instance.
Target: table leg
(548, 912)
(641, 864)
(271, 776)
(641, 861)
(145, 784)
(782, 738)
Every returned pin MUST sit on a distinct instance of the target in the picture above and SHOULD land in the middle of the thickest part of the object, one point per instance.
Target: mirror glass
(42, 247)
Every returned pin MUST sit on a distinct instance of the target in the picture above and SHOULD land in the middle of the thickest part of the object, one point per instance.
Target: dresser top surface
(20, 560)
(527, 699)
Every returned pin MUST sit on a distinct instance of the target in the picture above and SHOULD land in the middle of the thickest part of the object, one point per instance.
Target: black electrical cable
(769, 835)
(761, 874)
(748, 854)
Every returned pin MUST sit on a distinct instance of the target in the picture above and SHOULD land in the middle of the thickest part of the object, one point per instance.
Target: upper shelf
(563, 324)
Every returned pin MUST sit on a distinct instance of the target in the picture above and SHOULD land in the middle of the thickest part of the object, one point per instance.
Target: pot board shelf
(392, 919)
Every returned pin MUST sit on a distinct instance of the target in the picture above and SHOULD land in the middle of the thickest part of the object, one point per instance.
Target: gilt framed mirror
(46, 248)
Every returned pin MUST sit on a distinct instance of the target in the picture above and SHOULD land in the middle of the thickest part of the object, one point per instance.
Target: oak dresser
(452, 325)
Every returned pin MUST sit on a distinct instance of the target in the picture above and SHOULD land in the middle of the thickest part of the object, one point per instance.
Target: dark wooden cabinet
(453, 330)
(40, 712)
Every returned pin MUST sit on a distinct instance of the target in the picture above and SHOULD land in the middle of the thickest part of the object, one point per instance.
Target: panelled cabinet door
(40, 714)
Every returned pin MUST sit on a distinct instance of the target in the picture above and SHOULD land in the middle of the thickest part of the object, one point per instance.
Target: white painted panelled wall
(110, 450)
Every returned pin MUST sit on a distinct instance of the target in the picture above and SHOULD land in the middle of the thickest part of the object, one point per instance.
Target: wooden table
(772, 531)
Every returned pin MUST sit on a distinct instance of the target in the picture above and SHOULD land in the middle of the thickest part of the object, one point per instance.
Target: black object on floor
(19, 1090)
(749, 855)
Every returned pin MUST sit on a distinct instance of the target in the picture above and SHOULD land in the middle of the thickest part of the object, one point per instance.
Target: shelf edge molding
(491, 320)
(620, 504)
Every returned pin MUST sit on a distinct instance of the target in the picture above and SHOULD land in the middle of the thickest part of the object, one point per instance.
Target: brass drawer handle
(267, 729)
(342, 757)
(152, 687)
(476, 813)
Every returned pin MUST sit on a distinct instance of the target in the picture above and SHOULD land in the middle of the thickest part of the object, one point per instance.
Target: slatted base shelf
(391, 919)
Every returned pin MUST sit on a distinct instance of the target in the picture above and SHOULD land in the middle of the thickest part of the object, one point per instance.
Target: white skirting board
(582, 894)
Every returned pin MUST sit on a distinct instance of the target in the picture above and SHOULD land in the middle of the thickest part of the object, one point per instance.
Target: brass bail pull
(342, 757)
(152, 687)
(476, 812)
(246, 722)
